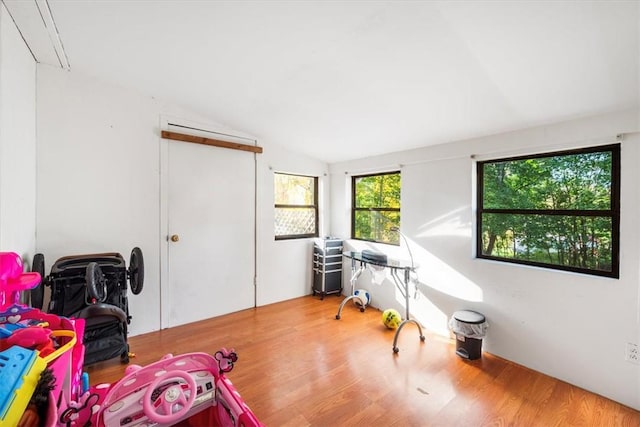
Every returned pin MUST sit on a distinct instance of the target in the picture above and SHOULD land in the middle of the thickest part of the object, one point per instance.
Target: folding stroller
(93, 287)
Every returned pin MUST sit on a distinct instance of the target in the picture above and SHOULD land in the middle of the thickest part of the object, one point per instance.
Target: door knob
(174, 237)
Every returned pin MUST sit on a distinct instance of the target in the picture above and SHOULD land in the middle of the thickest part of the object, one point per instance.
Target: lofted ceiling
(339, 80)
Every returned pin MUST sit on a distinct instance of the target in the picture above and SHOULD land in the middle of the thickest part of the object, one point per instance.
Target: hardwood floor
(298, 366)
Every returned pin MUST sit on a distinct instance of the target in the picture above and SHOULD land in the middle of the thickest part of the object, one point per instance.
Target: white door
(210, 214)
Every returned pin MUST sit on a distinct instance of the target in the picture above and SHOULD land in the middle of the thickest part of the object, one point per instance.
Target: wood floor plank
(299, 366)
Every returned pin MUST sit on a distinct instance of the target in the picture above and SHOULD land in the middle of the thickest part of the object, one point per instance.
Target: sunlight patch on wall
(433, 274)
(440, 276)
(432, 271)
(451, 224)
(427, 313)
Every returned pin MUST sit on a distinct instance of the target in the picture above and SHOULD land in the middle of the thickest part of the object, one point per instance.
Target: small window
(555, 210)
(296, 203)
(375, 213)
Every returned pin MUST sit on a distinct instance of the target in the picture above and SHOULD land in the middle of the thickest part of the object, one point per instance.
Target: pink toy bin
(65, 360)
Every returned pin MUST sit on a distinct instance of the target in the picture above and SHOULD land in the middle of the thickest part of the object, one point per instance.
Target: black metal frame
(106, 320)
(613, 212)
(69, 273)
(314, 207)
(355, 209)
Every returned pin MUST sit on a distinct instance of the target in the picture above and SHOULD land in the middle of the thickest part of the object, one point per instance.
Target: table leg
(403, 285)
(354, 277)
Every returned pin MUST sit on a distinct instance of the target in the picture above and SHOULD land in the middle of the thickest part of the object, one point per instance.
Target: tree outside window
(556, 210)
(296, 206)
(375, 213)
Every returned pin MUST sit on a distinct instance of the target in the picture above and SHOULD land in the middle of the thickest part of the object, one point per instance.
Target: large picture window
(296, 206)
(375, 213)
(557, 210)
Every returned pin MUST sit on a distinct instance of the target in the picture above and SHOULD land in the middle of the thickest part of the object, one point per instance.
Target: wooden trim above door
(209, 141)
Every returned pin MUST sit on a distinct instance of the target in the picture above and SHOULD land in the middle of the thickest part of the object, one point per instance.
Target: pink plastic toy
(185, 390)
(34, 338)
(59, 345)
(13, 279)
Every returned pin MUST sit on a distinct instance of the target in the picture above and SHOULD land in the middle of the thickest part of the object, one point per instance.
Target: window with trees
(375, 213)
(557, 210)
(296, 206)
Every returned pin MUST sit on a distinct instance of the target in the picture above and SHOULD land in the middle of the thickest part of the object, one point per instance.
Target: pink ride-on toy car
(187, 390)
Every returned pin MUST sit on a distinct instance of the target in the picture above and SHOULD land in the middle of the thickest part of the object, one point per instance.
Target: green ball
(391, 318)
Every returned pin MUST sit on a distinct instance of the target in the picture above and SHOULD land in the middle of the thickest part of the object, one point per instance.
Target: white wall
(284, 266)
(99, 186)
(570, 326)
(17, 142)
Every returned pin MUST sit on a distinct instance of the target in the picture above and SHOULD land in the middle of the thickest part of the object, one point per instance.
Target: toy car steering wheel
(172, 395)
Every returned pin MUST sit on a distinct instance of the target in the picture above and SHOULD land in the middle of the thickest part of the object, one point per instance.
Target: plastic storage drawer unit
(327, 267)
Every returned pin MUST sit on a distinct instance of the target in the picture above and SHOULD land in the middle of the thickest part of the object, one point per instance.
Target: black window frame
(613, 212)
(314, 206)
(355, 209)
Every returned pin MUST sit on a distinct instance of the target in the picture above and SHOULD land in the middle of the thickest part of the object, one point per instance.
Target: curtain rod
(213, 132)
(585, 143)
(492, 154)
(392, 167)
